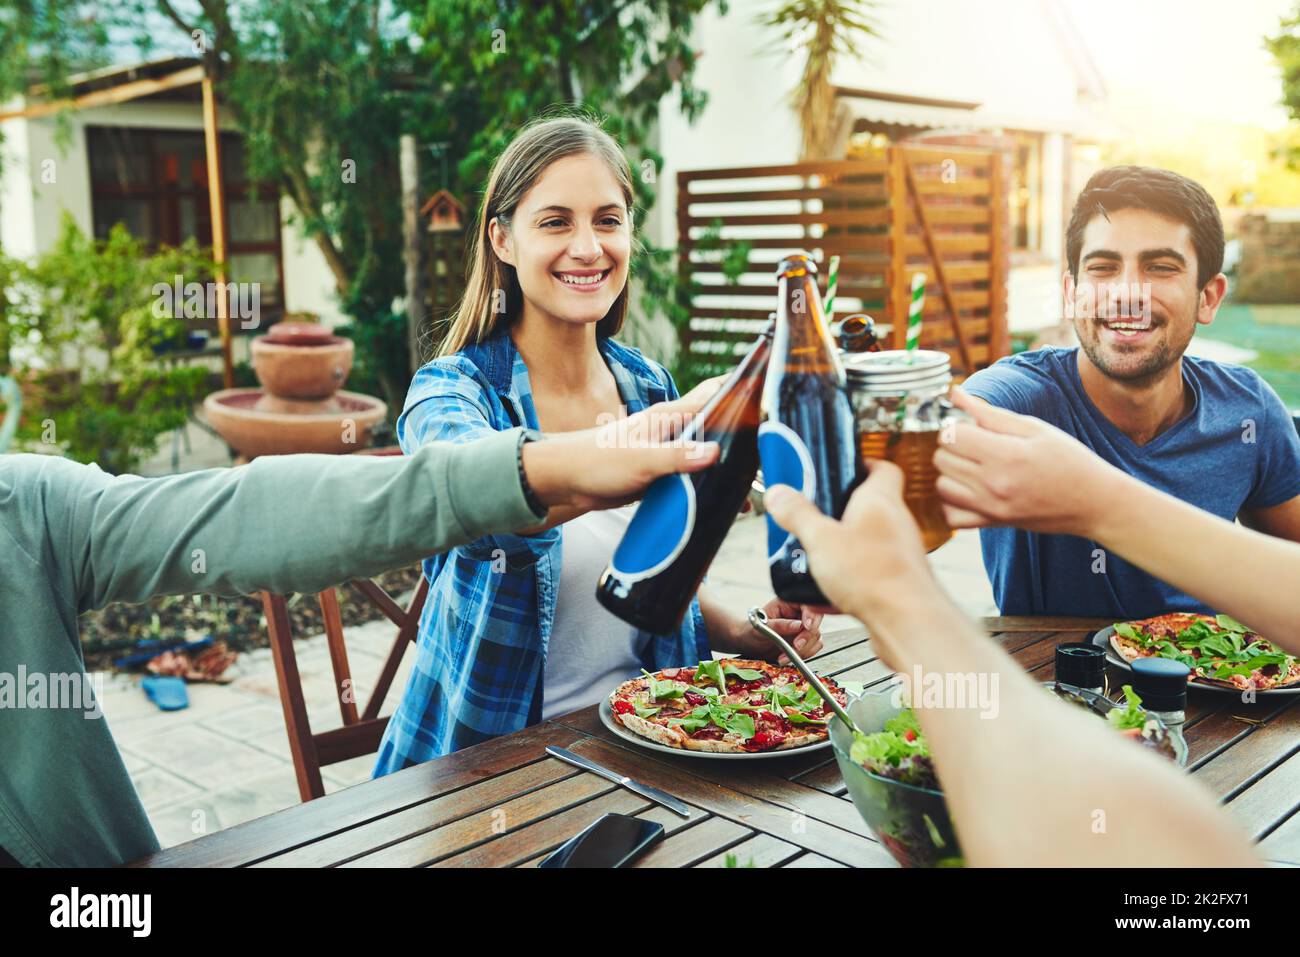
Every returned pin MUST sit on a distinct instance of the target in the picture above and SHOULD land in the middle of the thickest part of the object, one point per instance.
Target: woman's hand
(1010, 469)
(797, 624)
(613, 464)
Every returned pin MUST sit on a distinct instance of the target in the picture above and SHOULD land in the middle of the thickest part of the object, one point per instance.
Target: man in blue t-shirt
(1144, 248)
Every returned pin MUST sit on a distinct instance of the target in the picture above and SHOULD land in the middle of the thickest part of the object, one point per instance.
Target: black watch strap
(530, 497)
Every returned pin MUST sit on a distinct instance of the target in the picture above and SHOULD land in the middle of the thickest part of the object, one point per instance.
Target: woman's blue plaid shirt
(486, 624)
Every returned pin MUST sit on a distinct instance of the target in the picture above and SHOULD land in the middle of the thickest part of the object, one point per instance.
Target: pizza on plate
(731, 706)
(1219, 650)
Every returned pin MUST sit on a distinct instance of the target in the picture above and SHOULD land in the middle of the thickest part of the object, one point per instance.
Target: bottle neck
(802, 338)
(737, 403)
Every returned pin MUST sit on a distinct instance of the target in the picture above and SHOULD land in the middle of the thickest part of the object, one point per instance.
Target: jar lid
(1161, 683)
(897, 371)
(1081, 663)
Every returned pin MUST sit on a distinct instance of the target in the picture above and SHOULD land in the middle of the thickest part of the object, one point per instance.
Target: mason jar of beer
(900, 403)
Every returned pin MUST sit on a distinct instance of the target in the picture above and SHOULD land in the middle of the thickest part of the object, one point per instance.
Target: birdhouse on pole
(445, 213)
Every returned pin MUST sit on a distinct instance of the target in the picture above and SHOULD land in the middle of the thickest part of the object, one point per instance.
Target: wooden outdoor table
(506, 803)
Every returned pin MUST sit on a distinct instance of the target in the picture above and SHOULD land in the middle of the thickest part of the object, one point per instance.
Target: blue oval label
(658, 531)
(785, 461)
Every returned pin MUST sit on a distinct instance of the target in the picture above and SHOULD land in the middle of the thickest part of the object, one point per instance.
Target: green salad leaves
(1131, 715)
(893, 745)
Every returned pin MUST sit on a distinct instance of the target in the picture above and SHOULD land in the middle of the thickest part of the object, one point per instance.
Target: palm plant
(828, 28)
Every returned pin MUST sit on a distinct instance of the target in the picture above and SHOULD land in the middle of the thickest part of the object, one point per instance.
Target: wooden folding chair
(360, 734)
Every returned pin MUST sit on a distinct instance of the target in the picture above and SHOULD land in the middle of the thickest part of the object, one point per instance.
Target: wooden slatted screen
(866, 212)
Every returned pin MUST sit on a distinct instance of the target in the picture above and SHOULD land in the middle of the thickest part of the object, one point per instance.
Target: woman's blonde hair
(492, 293)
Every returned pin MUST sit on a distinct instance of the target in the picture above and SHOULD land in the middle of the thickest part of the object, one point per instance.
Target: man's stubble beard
(1152, 364)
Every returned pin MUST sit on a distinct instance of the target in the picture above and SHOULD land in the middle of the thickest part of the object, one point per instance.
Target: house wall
(31, 210)
(1006, 56)
(17, 206)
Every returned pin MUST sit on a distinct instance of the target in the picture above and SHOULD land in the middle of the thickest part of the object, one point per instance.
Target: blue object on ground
(166, 691)
(150, 648)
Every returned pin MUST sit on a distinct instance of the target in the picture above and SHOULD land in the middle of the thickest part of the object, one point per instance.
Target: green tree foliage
(323, 89)
(1285, 47)
(86, 334)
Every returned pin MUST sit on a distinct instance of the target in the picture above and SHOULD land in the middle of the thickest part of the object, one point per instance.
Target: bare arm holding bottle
(1010, 469)
(1018, 796)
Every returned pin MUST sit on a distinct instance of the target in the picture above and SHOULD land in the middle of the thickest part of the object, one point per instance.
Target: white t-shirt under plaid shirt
(590, 651)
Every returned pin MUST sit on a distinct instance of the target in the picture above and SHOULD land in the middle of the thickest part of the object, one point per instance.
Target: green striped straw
(914, 311)
(832, 281)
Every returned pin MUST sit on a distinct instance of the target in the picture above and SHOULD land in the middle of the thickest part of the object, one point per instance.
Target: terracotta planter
(302, 371)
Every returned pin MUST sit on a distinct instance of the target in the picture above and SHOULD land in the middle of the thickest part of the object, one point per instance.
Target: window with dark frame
(155, 182)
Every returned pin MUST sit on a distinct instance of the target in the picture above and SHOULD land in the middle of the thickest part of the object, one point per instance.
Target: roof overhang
(173, 76)
(895, 109)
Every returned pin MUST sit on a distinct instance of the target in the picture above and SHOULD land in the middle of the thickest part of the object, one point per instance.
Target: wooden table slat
(420, 818)
(762, 850)
(1255, 749)
(303, 823)
(696, 843)
(847, 657)
(841, 638)
(1000, 624)
(812, 860)
(1270, 800)
(547, 834)
(1284, 843)
(824, 777)
(687, 783)
(672, 824)
(1013, 641)
(427, 847)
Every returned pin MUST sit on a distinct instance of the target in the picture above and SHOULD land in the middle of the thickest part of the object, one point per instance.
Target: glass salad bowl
(910, 820)
(903, 804)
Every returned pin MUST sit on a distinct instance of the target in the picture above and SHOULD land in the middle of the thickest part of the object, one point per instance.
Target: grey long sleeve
(73, 538)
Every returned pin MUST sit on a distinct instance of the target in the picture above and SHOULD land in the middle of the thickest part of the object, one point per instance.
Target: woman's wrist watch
(530, 496)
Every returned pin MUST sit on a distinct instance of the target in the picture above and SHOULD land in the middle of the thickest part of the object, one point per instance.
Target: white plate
(607, 719)
(1102, 640)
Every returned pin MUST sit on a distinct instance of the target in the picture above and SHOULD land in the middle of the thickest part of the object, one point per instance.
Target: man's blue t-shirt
(1237, 449)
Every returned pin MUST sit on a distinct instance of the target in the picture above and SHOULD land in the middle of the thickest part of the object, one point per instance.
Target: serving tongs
(758, 618)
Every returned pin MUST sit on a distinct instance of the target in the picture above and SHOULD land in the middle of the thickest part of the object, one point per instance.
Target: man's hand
(1010, 469)
(611, 465)
(798, 624)
(870, 558)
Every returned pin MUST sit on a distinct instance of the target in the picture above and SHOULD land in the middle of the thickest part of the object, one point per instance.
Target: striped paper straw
(914, 311)
(832, 281)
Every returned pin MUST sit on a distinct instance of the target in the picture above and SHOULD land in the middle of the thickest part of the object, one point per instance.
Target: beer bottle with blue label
(808, 438)
(683, 519)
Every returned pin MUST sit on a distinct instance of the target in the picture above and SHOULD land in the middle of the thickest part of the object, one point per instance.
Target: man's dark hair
(1160, 191)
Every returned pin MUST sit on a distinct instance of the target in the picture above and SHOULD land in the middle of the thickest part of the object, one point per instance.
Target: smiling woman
(558, 209)
(512, 633)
